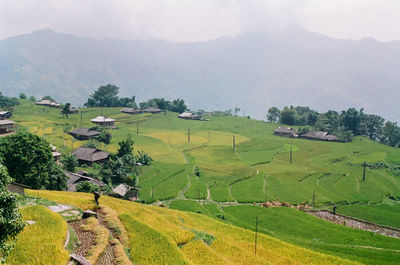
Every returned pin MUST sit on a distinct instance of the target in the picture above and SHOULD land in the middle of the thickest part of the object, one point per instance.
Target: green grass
(383, 214)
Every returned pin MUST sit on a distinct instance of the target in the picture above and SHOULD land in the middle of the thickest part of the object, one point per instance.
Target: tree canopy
(10, 221)
(29, 161)
(107, 96)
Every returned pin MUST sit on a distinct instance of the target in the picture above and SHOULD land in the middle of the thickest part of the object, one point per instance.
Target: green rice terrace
(207, 175)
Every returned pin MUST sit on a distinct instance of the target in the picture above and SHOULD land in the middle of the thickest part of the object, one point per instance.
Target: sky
(200, 20)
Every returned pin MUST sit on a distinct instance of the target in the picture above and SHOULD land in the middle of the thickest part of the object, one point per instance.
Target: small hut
(127, 192)
(152, 110)
(86, 155)
(286, 132)
(131, 111)
(83, 134)
(49, 103)
(319, 136)
(189, 116)
(6, 127)
(5, 114)
(17, 187)
(103, 121)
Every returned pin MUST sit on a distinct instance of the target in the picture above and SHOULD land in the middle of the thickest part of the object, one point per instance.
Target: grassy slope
(182, 235)
(42, 242)
(332, 170)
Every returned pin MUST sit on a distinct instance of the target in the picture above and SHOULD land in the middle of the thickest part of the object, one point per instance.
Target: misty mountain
(253, 71)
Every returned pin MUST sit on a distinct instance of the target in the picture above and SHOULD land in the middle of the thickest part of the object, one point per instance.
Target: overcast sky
(197, 20)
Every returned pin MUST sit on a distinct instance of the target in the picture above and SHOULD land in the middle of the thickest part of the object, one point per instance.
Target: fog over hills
(253, 71)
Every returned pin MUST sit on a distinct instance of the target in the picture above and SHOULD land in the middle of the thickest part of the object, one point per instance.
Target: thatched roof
(84, 132)
(100, 119)
(123, 189)
(286, 130)
(74, 179)
(47, 102)
(90, 154)
(6, 122)
(152, 110)
(131, 111)
(189, 116)
(319, 135)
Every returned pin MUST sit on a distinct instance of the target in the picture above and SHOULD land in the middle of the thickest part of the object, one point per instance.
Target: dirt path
(86, 238)
(107, 257)
(356, 223)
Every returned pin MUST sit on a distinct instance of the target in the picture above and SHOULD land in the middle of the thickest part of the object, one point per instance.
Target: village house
(152, 110)
(49, 103)
(104, 121)
(86, 155)
(131, 111)
(286, 132)
(189, 116)
(17, 188)
(319, 136)
(126, 192)
(72, 110)
(5, 114)
(75, 178)
(83, 134)
(6, 127)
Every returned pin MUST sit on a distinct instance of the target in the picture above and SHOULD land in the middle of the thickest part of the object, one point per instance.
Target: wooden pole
(81, 116)
(291, 156)
(188, 135)
(255, 239)
(313, 199)
(234, 144)
(364, 165)
(198, 194)
(137, 127)
(152, 194)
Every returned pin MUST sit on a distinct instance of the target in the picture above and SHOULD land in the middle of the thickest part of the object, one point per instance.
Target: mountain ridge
(253, 71)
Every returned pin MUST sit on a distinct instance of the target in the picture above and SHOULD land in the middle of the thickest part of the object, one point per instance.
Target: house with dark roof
(286, 132)
(17, 187)
(84, 133)
(5, 114)
(319, 136)
(6, 127)
(86, 155)
(75, 178)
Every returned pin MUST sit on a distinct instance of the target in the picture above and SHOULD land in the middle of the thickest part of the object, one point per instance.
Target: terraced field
(230, 181)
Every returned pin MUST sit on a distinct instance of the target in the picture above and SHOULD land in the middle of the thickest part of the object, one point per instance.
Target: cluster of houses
(311, 135)
(151, 110)
(6, 125)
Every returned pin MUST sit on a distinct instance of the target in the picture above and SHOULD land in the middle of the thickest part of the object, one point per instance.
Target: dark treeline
(107, 96)
(6, 102)
(344, 124)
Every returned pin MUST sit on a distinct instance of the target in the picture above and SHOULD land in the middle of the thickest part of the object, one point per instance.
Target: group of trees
(107, 96)
(344, 124)
(6, 102)
(29, 161)
(177, 105)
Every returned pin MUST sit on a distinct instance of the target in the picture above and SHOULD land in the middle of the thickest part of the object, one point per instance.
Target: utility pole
(234, 144)
(314, 199)
(198, 194)
(81, 116)
(291, 155)
(364, 165)
(152, 194)
(188, 135)
(137, 127)
(255, 239)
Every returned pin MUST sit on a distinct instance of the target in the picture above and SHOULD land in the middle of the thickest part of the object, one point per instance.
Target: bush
(144, 158)
(87, 186)
(69, 163)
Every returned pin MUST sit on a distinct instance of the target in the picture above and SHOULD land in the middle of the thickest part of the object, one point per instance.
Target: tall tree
(104, 96)
(66, 110)
(391, 134)
(273, 114)
(178, 105)
(10, 220)
(288, 116)
(29, 161)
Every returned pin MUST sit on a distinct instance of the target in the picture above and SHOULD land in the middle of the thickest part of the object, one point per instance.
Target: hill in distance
(253, 71)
